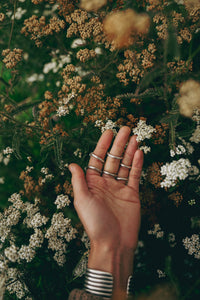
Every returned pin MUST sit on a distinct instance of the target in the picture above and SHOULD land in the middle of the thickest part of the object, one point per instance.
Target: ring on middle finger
(108, 173)
(114, 156)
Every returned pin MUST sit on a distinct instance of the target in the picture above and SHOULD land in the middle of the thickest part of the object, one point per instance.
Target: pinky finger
(136, 170)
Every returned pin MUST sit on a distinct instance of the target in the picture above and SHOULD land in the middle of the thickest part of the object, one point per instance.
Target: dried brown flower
(121, 27)
(85, 54)
(189, 98)
(176, 197)
(92, 5)
(38, 28)
(12, 57)
(2, 17)
(153, 174)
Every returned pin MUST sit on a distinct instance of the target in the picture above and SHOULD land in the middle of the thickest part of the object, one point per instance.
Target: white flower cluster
(64, 106)
(195, 138)
(78, 152)
(161, 274)
(157, 232)
(108, 125)
(187, 145)
(192, 244)
(47, 177)
(4, 159)
(192, 202)
(62, 201)
(15, 285)
(143, 131)
(56, 64)
(60, 232)
(180, 149)
(145, 149)
(176, 170)
(8, 150)
(35, 77)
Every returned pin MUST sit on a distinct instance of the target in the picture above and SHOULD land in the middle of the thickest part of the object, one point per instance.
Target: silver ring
(108, 173)
(97, 157)
(94, 168)
(125, 166)
(113, 156)
(122, 178)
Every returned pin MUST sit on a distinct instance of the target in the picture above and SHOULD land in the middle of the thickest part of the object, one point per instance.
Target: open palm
(108, 205)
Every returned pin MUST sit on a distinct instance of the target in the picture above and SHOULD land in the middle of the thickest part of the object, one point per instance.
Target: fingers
(100, 151)
(112, 163)
(79, 184)
(136, 169)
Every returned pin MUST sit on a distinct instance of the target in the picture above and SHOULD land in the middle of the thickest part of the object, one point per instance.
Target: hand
(108, 208)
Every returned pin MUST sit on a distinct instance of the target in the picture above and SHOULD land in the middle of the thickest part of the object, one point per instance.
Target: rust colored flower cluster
(83, 26)
(122, 27)
(85, 54)
(12, 57)
(154, 175)
(176, 197)
(135, 64)
(38, 28)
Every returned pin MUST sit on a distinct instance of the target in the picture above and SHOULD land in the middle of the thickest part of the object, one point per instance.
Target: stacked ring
(95, 169)
(97, 157)
(125, 166)
(108, 173)
(122, 178)
(114, 156)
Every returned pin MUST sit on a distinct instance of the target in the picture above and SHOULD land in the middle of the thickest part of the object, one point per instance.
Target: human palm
(108, 208)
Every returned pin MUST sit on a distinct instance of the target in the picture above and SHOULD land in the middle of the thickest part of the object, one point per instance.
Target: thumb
(79, 183)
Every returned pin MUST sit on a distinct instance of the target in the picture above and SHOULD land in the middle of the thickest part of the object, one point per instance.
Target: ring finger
(126, 163)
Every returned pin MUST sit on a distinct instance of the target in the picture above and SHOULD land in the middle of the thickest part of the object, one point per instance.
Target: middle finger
(112, 163)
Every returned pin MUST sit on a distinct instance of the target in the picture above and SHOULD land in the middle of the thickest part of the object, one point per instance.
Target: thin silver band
(125, 166)
(97, 157)
(114, 156)
(95, 169)
(122, 178)
(108, 173)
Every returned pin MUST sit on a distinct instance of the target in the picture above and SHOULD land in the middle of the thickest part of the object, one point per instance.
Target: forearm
(116, 260)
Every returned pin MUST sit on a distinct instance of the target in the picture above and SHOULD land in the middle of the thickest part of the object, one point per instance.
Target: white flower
(12, 253)
(192, 244)
(38, 220)
(78, 152)
(77, 43)
(161, 274)
(145, 149)
(36, 239)
(192, 202)
(26, 253)
(62, 111)
(175, 170)
(195, 138)
(8, 150)
(2, 180)
(143, 131)
(62, 201)
(44, 170)
(157, 232)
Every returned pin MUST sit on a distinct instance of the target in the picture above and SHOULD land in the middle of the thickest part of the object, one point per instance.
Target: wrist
(114, 259)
